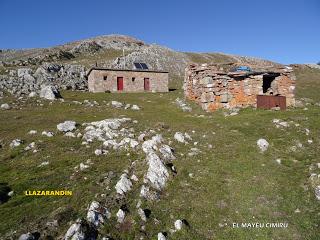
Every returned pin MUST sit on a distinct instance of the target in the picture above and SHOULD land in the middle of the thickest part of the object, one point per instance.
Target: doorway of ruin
(267, 83)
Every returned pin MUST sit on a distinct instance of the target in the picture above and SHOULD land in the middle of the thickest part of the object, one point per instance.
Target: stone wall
(216, 86)
(100, 80)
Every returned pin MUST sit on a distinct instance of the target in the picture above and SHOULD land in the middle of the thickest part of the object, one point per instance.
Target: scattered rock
(317, 192)
(120, 215)
(30, 146)
(167, 153)
(178, 224)
(48, 134)
(183, 105)
(49, 93)
(16, 143)
(98, 152)
(157, 173)
(134, 178)
(142, 214)
(83, 166)
(70, 134)
(280, 124)
(193, 152)
(149, 194)
(30, 236)
(278, 161)
(32, 94)
(116, 104)
(161, 236)
(263, 144)
(179, 137)
(104, 130)
(45, 163)
(97, 214)
(123, 185)
(32, 132)
(5, 106)
(81, 230)
(67, 126)
(135, 107)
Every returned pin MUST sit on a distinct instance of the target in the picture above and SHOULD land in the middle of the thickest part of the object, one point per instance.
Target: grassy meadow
(232, 182)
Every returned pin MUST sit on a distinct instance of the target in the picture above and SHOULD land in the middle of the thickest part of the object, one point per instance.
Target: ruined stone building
(216, 86)
(140, 79)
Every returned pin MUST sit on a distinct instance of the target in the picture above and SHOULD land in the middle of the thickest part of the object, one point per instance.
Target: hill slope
(107, 51)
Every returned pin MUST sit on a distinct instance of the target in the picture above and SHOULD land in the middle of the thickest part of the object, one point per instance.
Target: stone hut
(216, 86)
(127, 80)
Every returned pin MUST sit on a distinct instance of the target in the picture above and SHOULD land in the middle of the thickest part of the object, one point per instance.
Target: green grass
(209, 58)
(307, 86)
(233, 181)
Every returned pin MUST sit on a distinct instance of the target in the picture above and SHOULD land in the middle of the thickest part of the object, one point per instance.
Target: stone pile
(26, 81)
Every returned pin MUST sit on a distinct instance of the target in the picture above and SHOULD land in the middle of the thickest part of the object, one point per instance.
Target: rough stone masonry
(216, 86)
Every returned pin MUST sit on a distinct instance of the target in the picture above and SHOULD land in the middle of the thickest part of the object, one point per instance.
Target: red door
(120, 83)
(146, 84)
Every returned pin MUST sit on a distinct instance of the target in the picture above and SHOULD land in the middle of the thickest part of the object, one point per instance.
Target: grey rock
(121, 215)
(183, 105)
(81, 230)
(5, 106)
(178, 224)
(161, 236)
(148, 193)
(97, 214)
(135, 107)
(67, 126)
(49, 93)
(116, 104)
(157, 173)
(47, 134)
(32, 94)
(123, 185)
(179, 137)
(263, 144)
(27, 236)
(167, 153)
(317, 192)
(16, 143)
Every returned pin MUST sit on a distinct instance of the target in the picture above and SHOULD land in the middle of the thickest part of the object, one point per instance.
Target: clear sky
(287, 31)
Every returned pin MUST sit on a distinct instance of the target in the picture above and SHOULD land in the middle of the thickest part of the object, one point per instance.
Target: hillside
(138, 166)
(107, 51)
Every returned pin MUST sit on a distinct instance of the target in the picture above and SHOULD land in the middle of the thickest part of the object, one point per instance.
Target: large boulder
(49, 92)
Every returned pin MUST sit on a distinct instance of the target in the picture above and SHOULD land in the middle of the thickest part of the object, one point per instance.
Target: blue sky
(280, 30)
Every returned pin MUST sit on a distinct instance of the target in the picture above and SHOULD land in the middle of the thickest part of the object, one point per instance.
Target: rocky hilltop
(24, 71)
